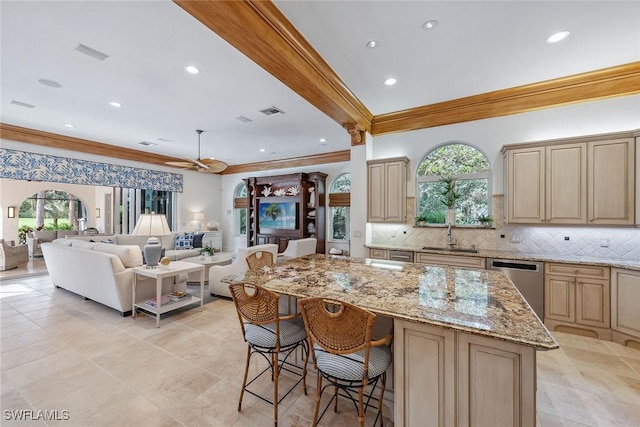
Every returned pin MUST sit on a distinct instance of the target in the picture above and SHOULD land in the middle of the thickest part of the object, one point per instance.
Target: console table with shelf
(306, 191)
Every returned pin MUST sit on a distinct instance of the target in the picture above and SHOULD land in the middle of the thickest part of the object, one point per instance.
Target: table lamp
(152, 225)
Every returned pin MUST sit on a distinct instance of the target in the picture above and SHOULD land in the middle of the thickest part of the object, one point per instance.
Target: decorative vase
(152, 252)
(450, 217)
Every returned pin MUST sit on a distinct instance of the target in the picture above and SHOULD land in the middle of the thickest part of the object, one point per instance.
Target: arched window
(339, 203)
(240, 209)
(471, 173)
(50, 210)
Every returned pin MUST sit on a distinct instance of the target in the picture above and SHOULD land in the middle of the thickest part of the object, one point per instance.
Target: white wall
(613, 115)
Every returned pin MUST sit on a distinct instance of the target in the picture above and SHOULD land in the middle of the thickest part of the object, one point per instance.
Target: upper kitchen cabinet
(587, 180)
(387, 190)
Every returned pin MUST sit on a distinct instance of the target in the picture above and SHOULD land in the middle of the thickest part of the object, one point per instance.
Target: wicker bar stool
(343, 353)
(271, 335)
(259, 260)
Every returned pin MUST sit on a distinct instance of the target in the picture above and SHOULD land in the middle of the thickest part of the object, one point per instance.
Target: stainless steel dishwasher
(527, 276)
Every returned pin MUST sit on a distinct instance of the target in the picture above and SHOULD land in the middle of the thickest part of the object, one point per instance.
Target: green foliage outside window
(469, 168)
(340, 214)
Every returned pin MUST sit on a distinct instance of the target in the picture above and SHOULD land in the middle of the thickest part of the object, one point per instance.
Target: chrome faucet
(450, 240)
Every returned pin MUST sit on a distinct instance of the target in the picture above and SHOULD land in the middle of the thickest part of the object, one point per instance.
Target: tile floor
(60, 352)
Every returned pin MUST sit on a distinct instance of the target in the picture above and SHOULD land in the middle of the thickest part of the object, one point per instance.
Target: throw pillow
(185, 241)
(197, 240)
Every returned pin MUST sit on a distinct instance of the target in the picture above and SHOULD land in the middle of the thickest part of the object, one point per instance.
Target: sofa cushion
(82, 244)
(129, 239)
(184, 241)
(45, 235)
(130, 255)
(197, 240)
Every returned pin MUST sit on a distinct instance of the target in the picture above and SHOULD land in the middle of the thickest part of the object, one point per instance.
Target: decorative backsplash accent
(621, 243)
(41, 167)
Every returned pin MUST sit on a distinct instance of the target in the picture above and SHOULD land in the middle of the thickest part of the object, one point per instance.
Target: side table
(159, 273)
(220, 258)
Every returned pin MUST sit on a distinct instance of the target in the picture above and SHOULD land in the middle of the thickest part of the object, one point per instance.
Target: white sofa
(299, 247)
(101, 272)
(239, 265)
(167, 241)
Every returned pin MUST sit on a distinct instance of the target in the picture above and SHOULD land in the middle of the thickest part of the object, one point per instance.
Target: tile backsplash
(605, 242)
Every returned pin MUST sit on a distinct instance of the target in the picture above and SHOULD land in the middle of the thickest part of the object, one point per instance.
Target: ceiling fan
(208, 165)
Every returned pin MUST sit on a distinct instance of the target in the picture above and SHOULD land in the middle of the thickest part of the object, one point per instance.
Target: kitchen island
(465, 339)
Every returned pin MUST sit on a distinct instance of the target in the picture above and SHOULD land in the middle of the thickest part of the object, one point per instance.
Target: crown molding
(622, 80)
(63, 142)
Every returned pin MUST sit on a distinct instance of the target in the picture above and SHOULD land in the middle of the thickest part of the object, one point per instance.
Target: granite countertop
(478, 301)
(524, 256)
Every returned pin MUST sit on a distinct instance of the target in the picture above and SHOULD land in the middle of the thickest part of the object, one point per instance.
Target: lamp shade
(198, 216)
(151, 225)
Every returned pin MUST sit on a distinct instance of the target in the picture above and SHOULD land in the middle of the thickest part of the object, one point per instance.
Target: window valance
(41, 167)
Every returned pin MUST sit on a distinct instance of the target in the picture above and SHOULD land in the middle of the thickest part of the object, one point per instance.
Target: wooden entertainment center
(286, 207)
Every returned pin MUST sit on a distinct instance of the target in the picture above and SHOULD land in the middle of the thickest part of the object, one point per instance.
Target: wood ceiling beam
(63, 142)
(260, 31)
(622, 80)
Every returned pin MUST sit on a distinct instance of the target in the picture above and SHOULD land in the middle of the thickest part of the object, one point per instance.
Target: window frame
(330, 215)
(237, 221)
(434, 178)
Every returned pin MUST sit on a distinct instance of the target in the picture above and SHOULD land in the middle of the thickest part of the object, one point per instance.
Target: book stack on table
(167, 299)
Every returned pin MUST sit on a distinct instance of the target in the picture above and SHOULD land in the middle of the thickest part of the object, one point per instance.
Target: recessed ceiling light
(69, 125)
(390, 81)
(429, 24)
(263, 150)
(371, 44)
(323, 139)
(191, 69)
(556, 37)
(115, 104)
(50, 83)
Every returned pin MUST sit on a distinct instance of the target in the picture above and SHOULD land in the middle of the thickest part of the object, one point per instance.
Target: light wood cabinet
(625, 315)
(611, 175)
(387, 190)
(588, 180)
(577, 296)
(378, 253)
(450, 260)
(493, 381)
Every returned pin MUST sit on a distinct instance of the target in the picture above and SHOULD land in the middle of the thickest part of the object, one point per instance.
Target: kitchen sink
(448, 249)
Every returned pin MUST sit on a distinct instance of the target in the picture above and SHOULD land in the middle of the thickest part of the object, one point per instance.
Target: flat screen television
(278, 215)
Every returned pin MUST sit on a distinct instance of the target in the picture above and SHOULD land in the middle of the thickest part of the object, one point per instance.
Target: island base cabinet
(496, 382)
(448, 378)
(424, 375)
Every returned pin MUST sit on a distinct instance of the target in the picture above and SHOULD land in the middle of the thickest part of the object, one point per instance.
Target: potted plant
(485, 220)
(207, 252)
(449, 197)
(422, 219)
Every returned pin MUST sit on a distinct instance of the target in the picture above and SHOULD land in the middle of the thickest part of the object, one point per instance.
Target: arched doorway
(50, 210)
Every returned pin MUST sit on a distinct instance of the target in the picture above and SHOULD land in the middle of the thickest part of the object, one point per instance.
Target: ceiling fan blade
(216, 166)
(200, 163)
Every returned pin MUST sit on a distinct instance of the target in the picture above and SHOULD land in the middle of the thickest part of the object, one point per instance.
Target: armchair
(38, 237)
(298, 248)
(12, 256)
(239, 265)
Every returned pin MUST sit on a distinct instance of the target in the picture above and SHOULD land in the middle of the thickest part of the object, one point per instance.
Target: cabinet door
(625, 294)
(566, 184)
(526, 185)
(592, 302)
(424, 375)
(496, 383)
(611, 181)
(559, 298)
(395, 189)
(376, 193)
